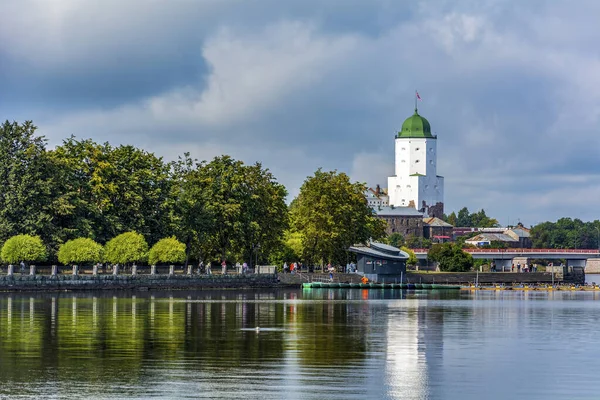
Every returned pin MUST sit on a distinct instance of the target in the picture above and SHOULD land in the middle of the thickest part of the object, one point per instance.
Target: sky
(511, 88)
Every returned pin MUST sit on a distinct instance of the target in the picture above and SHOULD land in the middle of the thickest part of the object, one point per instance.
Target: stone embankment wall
(490, 278)
(137, 282)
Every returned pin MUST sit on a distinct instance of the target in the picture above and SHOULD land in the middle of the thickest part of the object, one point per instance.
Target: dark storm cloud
(511, 88)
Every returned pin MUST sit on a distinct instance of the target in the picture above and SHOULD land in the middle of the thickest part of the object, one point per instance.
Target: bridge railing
(523, 251)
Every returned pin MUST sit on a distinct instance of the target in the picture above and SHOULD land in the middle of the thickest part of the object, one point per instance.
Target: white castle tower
(416, 183)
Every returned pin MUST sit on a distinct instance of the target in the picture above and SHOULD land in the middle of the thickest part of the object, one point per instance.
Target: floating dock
(373, 285)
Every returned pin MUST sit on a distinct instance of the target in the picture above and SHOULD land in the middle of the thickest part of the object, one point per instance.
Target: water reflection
(313, 344)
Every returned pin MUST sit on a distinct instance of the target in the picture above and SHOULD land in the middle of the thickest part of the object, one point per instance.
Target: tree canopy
(168, 251)
(331, 213)
(23, 248)
(466, 219)
(566, 233)
(450, 257)
(80, 250)
(128, 247)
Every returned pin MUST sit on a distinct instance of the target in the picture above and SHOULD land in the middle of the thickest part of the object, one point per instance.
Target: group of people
(523, 268)
(292, 268)
(206, 269)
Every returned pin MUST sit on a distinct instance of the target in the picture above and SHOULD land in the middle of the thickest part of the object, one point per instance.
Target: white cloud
(507, 99)
(252, 74)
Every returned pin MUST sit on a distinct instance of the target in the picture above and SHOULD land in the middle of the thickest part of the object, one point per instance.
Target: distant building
(380, 262)
(484, 239)
(403, 220)
(437, 230)
(517, 237)
(521, 234)
(416, 183)
(377, 197)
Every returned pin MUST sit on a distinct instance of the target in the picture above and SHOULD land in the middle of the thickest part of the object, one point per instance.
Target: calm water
(319, 344)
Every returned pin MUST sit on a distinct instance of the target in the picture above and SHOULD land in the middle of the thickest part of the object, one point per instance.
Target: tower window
(417, 149)
(404, 148)
(403, 161)
(416, 161)
(431, 162)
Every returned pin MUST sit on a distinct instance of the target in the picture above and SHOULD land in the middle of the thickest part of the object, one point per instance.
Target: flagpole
(415, 100)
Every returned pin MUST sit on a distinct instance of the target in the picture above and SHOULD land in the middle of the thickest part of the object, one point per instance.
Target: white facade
(416, 183)
(376, 197)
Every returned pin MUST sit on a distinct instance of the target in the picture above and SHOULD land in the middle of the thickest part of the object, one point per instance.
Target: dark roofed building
(403, 220)
(380, 262)
(437, 229)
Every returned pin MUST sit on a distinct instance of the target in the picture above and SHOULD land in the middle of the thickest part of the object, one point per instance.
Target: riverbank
(135, 282)
(65, 282)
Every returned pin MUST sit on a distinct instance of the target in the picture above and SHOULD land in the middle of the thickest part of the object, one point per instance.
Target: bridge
(505, 257)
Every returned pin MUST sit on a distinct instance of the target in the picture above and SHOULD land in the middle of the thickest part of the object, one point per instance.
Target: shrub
(450, 257)
(81, 250)
(412, 257)
(24, 248)
(128, 247)
(167, 250)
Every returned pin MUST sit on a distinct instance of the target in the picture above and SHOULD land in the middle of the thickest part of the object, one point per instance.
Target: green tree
(332, 214)
(79, 251)
(450, 257)
(463, 218)
(128, 247)
(451, 219)
(395, 239)
(290, 251)
(167, 251)
(108, 190)
(31, 193)
(477, 219)
(192, 222)
(412, 257)
(25, 248)
(245, 206)
(417, 242)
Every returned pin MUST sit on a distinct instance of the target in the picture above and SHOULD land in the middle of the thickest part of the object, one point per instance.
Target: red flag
(417, 93)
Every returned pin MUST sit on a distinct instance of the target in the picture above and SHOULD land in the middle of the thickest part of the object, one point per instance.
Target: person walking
(245, 268)
(224, 267)
(208, 269)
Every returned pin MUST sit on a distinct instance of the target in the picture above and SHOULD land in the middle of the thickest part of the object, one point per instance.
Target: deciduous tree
(450, 257)
(332, 214)
(25, 248)
(79, 251)
(167, 251)
(128, 247)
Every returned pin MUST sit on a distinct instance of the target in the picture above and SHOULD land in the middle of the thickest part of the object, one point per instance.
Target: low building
(377, 197)
(521, 234)
(380, 262)
(403, 220)
(437, 229)
(487, 238)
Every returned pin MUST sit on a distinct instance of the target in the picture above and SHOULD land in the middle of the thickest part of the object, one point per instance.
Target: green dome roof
(415, 126)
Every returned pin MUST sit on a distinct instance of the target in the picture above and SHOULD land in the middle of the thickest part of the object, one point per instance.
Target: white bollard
(54, 270)
(171, 270)
(75, 270)
(189, 271)
(10, 270)
(116, 269)
(153, 270)
(134, 270)
(32, 270)
(95, 270)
